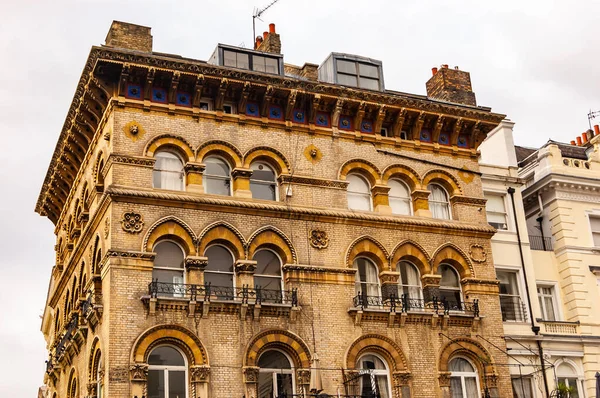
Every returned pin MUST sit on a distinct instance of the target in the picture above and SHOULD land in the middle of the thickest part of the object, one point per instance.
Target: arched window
(409, 281)
(72, 387)
(275, 376)
(99, 371)
(567, 376)
(464, 382)
(359, 193)
(268, 270)
(219, 271)
(168, 267)
(375, 381)
(399, 195)
(167, 373)
(438, 202)
(168, 171)
(367, 277)
(263, 184)
(449, 284)
(217, 176)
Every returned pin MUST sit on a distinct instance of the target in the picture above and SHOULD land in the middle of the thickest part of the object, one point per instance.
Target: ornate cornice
(330, 215)
(318, 182)
(468, 200)
(126, 159)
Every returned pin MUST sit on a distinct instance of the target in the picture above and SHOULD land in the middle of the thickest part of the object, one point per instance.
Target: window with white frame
(367, 277)
(359, 193)
(168, 268)
(522, 386)
(464, 381)
(449, 284)
(219, 271)
(495, 208)
(595, 227)
(217, 176)
(375, 380)
(409, 282)
(438, 202)
(263, 182)
(567, 376)
(268, 270)
(275, 375)
(167, 373)
(399, 197)
(168, 171)
(511, 305)
(546, 297)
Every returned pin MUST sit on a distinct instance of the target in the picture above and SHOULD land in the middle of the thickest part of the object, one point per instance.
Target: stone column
(389, 284)
(381, 200)
(138, 373)
(303, 381)
(194, 266)
(444, 383)
(421, 203)
(241, 182)
(251, 381)
(199, 375)
(401, 381)
(193, 177)
(244, 270)
(431, 286)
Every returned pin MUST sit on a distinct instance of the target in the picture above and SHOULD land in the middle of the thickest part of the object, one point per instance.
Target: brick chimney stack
(271, 42)
(129, 36)
(452, 85)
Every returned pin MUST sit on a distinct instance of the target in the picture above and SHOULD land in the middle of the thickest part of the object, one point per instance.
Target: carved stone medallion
(477, 253)
(312, 154)
(133, 130)
(132, 222)
(318, 239)
(106, 227)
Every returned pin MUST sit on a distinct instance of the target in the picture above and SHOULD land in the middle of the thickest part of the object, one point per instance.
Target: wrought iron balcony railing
(49, 365)
(513, 309)
(405, 304)
(543, 243)
(67, 336)
(208, 292)
(323, 395)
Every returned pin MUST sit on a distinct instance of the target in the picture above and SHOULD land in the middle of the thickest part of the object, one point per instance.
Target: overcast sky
(535, 61)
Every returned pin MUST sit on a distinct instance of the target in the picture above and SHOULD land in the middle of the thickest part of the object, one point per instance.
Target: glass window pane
(263, 191)
(165, 355)
(359, 202)
(177, 384)
(242, 61)
(550, 315)
(271, 65)
(284, 385)
(370, 84)
(217, 186)
(265, 385)
(456, 387)
(267, 263)
(346, 66)
(400, 206)
(219, 279)
(382, 386)
(471, 387)
(156, 383)
(274, 359)
(216, 167)
(262, 172)
(596, 237)
(258, 63)
(168, 254)
(269, 283)
(522, 387)
(449, 276)
(347, 80)
(368, 70)
(508, 282)
(595, 223)
(219, 259)
(495, 203)
(229, 58)
(460, 365)
(372, 362)
(398, 189)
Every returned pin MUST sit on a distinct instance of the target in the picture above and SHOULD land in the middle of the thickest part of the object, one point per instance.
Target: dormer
(352, 71)
(243, 58)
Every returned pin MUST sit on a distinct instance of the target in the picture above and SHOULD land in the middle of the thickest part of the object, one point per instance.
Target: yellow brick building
(242, 227)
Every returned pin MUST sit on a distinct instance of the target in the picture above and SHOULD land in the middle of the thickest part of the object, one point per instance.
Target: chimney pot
(272, 28)
(596, 130)
(434, 71)
(445, 66)
(579, 143)
(456, 67)
(584, 136)
(265, 35)
(572, 142)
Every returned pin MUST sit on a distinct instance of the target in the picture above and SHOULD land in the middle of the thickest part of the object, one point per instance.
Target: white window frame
(172, 367)
(555, 300)
(507, 213)
(181, 173)
(233, 285)
(376, 372)
(275, 372)
(596, 215)
(183, 278)
(281, 285)
(446, 288)
(209, 102)
(261, 182)
(578, 375)
(216, 177)
(350, 193)
(358, 283)
(447, 202)
(526, 380)
(401, 284)
(409, 198)
(462, 376)
(232, 106)
(520, 288)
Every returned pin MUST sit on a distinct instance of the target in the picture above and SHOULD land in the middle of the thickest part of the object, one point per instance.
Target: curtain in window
(367, 278)
(399, 197)
(410, 283)
(438, 202)
(359, 193)
(522, 387)
(168, 171)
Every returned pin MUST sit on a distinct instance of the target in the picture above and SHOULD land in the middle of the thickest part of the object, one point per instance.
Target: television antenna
(256, 14)
(592, 115)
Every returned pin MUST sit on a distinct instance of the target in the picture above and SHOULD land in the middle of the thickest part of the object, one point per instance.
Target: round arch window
(568, 377)
(168, 268)
(375, 380)
(464, 382)
(399, 197)
(449, 284)
(359, 193)
(268, 270)
(263, 183)
(438, 202)
(219, 271)
(276, 375)
(217, 176)
(367, 277)
(167, 373)
(409, 282)
(168, 171)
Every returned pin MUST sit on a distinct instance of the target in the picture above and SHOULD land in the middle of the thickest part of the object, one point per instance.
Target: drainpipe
(534, 328)
(540, 219)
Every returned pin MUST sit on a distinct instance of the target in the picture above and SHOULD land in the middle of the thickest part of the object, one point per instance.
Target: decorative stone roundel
(477, 253)
(132, 222)
(318, 239)
(133, 130)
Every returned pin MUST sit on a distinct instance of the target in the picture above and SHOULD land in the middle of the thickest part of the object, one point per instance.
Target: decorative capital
(318, 239)
(197, 168)
(477, 254)
(241, 173)
(91, 389)
(491, 379)
(250, 374)
(196, 262)
(444, 379)
(431, 280)
(303, 376)
(200, 373)
(402, 378)
(389, 277)
(132, 222)
(380, 190)
(245, 266)
(138, 372)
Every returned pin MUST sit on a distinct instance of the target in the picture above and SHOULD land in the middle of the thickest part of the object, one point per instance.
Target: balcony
(513, 309)
(91, 309)
(559, 327)
(414, 310)
(542, 243)
(200, 299)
